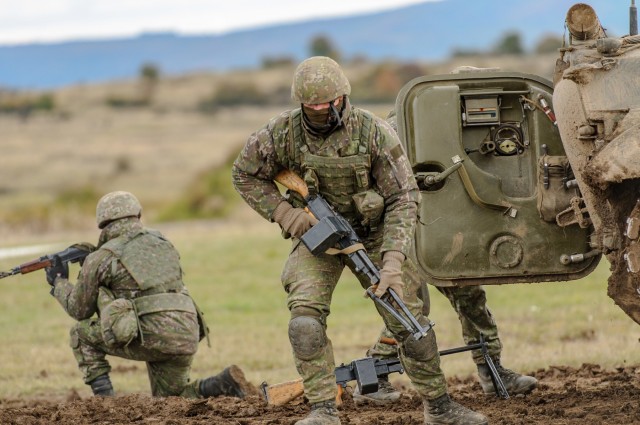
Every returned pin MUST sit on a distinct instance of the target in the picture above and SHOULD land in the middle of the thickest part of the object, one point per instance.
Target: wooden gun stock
(282, 393)
(292, 181)
(285, 392)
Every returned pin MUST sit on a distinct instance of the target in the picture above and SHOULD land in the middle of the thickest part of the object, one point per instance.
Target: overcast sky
(26, 21)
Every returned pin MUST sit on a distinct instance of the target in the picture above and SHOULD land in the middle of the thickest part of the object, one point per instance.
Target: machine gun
(333, 230)
(367, 371)
(74, 254)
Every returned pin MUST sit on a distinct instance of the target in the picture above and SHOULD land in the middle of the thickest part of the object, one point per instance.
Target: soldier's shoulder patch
(396, 152)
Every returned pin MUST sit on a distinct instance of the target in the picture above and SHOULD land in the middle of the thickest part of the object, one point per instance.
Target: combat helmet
(319, 79)
(116, 205)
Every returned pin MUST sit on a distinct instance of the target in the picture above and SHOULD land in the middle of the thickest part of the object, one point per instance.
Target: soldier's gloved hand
(391, 274)
(295, 221)
(85, 246)
(58, 268)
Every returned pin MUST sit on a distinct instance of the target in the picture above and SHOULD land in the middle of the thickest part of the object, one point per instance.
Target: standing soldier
(355, 161)
(133, 280)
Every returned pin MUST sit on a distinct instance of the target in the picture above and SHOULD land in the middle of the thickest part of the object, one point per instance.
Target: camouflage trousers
(168, 373)
(310, 281)
(470, 302)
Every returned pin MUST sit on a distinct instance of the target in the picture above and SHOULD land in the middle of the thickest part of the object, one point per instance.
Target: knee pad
(307, 336)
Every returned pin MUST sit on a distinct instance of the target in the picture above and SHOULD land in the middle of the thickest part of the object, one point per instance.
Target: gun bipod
(498, 385)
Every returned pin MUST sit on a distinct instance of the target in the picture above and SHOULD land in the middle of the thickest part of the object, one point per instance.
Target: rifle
(365, 372)
(332, 229)
(74, 254)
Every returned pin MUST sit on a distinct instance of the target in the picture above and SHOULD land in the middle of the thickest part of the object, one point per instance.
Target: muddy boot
(101, 386)
(513, 382)
(444, 411)
(386, 394)
(230, 382)
(324, 413)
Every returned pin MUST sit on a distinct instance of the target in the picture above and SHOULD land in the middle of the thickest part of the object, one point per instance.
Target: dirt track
(588, 395)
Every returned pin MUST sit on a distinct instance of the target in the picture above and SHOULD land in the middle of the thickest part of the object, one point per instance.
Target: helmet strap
(337, 114)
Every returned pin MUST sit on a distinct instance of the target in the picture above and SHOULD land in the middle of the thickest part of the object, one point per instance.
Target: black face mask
(324, 121)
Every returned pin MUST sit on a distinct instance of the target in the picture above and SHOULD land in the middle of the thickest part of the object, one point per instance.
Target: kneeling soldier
(133, 281)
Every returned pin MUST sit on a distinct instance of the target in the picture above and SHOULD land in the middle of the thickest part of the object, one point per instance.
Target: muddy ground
(588, 395)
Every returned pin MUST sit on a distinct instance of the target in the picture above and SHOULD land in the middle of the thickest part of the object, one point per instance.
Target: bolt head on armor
(319, 79)
(116, 205)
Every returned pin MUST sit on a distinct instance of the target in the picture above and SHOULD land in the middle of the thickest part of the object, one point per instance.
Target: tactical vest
(154, 265)
(150, 259)
(336, 178)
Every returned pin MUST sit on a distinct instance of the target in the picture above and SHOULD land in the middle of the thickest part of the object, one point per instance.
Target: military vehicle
(509, 193)
(597, 102)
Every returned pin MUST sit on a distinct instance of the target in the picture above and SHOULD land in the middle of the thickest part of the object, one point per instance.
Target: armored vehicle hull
(597, 103)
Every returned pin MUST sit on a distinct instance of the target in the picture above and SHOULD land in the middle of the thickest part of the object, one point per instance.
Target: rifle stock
(282, 393)
(292, 181)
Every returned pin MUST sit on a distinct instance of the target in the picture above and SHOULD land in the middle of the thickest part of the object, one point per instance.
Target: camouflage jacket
(266, 153)
(168, 331)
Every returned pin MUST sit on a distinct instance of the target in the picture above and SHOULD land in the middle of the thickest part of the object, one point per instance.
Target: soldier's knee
(423, 349)
(298, 311)
(307, 336)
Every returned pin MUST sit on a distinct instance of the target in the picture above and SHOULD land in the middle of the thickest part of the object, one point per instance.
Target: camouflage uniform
(361, 159)
(137, 264)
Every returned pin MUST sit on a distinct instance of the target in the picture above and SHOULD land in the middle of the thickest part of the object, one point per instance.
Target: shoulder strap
(116, 245)
(296, 134)
(367, 129)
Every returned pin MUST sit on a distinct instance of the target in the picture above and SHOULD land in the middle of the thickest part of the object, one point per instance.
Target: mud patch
(566, 395)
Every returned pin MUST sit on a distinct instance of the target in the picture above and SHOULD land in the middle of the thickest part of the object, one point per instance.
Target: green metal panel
(488, 231)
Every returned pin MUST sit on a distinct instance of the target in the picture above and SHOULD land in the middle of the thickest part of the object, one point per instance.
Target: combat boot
(101, 386)
(444, 411)
(230, 382)
(324, 413)
(513, 382)
(386, 394)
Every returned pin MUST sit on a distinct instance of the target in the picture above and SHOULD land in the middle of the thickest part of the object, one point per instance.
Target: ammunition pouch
(553, 195)
(369, 207)
(120, 318)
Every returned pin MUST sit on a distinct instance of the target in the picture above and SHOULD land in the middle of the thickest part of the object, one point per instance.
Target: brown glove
(391, 275)
(294, 221)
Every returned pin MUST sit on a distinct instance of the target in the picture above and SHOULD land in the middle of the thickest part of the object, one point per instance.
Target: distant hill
(425, 32)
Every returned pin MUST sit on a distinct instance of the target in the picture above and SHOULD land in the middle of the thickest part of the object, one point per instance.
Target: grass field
(232, 269)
